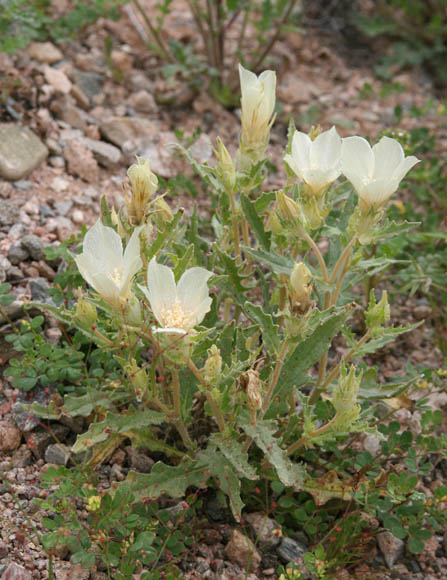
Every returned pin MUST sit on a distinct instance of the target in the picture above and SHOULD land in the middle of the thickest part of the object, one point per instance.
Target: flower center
(116, 276)
(176, 317)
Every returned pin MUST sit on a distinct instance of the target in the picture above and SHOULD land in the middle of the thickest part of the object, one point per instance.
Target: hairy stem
(212, 403)
(275, 378)
(179, 423)
(319, 255)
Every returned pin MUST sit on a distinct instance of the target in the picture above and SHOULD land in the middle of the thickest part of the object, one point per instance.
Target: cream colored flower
(317, 162)
(177, 307)
(257, 104)
(104, 265)
(375, 172)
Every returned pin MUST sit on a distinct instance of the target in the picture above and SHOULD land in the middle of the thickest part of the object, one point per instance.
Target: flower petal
(193, 292)
(104, 246)
(357, 160)
(300, 153)
(267, 80)
(325, 151)
(161, 290)
(388, 154)
(132, 261)
(404, 167)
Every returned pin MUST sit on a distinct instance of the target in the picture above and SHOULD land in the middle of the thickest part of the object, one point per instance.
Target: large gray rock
(105, 154)
(21, 151)
(126, 132)
(291, 550)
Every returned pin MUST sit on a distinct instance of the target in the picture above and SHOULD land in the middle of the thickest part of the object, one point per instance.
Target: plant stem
(154, 32)
(198, 21)
(340, 279)
(238, 50)
(341, 259)
(180, 425)
(275, 378)
(212, 403)
(320, 258)
(235, 223)
(303, 440)
(331, 376)
(254, 66)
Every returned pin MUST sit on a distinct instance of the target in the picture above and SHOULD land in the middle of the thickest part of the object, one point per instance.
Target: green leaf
(228, 480)
(387, 335)
(165, 479)
(233, 451)
(256, 223)
(370, 388)
(122, 425)
(277, 263)
(49, 411)
(415, 545)
(263, 434)
(312, 348)
(270, 330)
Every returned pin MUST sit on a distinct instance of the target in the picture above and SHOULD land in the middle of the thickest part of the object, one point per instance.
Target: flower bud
(290, 212)
(377, 314)
(133, 311)
(85, 313)
(251, 385)
(137, 376)
(300, 279)
(143, 185)
(163, 212)
(213, 365)
(226, 171)
(257, 106)
(344, 398)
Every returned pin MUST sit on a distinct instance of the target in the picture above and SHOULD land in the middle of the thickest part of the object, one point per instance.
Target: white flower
(318, 162)
(177, 307)
(257, 104)
(104, 266)
(375, 172)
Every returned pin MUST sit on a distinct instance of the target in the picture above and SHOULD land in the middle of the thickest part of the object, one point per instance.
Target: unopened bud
(290, 212)
(143, 185)
(251, 384)
(137, 376)
(301, 281)
(163, 212)
(133, 311)
(226, 170)
(85, 313)
(213, 365)
(344, 397)
(377, 314)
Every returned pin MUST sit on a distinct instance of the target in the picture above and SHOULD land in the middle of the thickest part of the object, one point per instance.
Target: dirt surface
(321, 79)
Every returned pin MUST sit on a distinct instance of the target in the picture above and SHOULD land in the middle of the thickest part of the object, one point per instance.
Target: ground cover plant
(209, 342)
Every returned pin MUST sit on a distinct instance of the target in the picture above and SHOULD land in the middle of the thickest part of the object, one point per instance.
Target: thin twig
(254, 66)
(155, 34)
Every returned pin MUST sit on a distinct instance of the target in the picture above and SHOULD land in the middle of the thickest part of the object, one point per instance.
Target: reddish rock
(10, 436)
(242, 551)
(81, 162)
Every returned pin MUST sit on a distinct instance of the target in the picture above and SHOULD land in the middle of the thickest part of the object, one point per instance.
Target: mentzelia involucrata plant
(221, 362)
